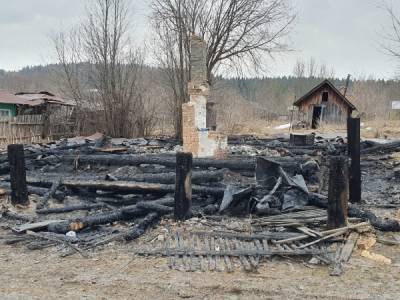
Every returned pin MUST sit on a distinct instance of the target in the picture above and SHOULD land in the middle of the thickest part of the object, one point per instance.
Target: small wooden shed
(324, 103)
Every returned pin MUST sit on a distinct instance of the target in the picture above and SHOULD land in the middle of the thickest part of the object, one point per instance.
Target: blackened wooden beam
(16, 161)
(338, 194)
(242, 163)
(124, 186)
(353, 142)
(183, 185)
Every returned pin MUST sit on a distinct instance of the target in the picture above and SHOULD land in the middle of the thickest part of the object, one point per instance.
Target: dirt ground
(116, 273)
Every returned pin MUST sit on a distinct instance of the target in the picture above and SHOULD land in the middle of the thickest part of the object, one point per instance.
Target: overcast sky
(344, 34)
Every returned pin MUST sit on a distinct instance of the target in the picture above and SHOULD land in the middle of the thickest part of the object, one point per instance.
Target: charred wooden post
(183, 185)
(338, 194)
(353, 142)
(16, 161)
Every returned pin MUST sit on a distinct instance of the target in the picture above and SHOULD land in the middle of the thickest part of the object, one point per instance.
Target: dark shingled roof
(324, 83)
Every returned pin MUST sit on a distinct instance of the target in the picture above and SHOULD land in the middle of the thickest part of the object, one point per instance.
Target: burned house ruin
(324, 103)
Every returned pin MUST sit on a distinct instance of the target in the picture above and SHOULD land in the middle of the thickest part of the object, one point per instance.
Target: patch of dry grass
(381, 129)
(371, 129)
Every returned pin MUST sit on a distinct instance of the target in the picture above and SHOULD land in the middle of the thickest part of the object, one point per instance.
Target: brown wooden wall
(335, 110)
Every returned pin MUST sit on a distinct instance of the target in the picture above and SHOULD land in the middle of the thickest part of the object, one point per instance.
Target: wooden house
(9, 104)
(324, 103)
(27, 117)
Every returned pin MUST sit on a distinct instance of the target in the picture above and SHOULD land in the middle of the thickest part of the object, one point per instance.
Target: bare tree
(299, 69)
(392, 36)
(101, 70)
(312, 67)
(239, 35)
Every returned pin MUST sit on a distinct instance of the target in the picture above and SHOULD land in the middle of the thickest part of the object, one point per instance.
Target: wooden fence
(21, 129)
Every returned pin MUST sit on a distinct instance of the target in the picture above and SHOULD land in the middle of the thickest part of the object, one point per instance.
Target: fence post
(338, 194)
(183, 185)
(353, 148)
(16, 161)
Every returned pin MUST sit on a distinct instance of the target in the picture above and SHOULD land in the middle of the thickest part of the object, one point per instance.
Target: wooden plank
(307, 231)
(178, 261)
(347, 249)
(258, 247)
(171, 260)
(228, 262)
(207, 248)
(388, 242)
(213, 264)
(218, 258)
(323, 233)
(198, 244)
(243, 260)
(194, 262)
(253, 260)
(265, 245)
(34, 226)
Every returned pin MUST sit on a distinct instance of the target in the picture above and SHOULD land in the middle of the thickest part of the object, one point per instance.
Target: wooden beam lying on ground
(126, 213)
(384, 147)
(126, 186)
(169, 178)
(64, 209)
(238, 164)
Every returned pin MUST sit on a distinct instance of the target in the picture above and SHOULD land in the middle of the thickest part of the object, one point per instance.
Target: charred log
(387, 147)
(169, 178)
(239, 164)
(124, 214)
(44, 201)
(150, 220)
(125, 186)
(377, 222)
(57, 210)
(356, 212)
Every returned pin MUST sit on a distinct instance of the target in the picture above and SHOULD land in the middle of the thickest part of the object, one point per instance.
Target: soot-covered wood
(353, 137)
(183, 185)
(338, 192)
(16, 161)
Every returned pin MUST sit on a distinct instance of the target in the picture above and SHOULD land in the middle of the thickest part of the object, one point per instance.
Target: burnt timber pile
(270, 197)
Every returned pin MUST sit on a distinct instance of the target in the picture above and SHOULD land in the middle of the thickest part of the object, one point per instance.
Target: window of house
(325, 97)
(5, 113)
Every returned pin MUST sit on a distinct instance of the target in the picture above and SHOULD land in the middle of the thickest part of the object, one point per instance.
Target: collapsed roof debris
(246, 207)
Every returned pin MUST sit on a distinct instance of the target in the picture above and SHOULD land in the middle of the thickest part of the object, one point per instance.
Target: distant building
(324, 103)
(395, 112)
(28, 116)
(9, 104)
(41, 101)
